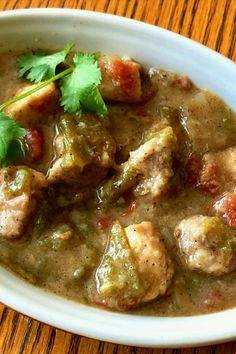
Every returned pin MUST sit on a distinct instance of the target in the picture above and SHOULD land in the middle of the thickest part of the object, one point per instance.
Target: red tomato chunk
(213, 300)
(104, 223)
(225, 208)
(124, 75)
(34, 141)
(192, 168)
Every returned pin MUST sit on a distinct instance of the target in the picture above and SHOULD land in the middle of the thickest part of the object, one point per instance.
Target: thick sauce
(202, 122)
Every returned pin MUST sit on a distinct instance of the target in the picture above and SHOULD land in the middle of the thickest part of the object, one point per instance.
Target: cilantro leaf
(38, 67)
(78, 82)
(79, 89)
(11, 139)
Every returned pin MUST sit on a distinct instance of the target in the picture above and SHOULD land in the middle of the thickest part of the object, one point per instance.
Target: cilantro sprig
(11, 140)
(79, 89)
(78, 84)
(39, 66)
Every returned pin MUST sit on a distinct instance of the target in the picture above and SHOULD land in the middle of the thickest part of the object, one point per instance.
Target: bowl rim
(100, 324)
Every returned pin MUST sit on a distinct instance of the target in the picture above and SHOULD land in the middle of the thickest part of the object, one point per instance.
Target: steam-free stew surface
(66, 239)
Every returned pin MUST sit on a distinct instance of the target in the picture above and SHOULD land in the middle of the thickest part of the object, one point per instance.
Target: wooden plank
(211, 22)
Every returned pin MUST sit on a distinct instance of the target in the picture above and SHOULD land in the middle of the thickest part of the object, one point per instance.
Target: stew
(131, 209)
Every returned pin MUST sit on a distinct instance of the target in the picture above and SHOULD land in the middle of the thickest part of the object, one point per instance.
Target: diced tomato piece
(205, 178)
(124, 75)
(34, 141)
(210, 179)
(116, 303)
(213, 300)
(104, 223)
(141, 111)
(193, 168)
(183, 82)
(231, 211)
(225, 208)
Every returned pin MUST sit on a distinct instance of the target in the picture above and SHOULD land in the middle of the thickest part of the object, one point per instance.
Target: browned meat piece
(153, 161)
(37, 107)
(90, 176)
(151, 258)
(148, 169)
(206, 244)
(219, 171)
(19, 191)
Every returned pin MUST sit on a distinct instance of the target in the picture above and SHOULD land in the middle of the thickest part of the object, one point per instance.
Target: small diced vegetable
(225, 208)
(218, 173)
(34, 141)
(121, 79)
(193, 168)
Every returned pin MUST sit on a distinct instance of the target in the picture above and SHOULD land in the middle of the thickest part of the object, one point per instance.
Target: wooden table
(211, 22)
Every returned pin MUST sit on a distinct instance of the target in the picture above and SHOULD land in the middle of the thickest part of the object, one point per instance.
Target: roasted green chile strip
(117, 274)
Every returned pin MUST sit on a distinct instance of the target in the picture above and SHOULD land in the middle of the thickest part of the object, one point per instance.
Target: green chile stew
(129, 204)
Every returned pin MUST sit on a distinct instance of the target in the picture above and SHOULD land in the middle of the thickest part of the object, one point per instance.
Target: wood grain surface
(211, 22)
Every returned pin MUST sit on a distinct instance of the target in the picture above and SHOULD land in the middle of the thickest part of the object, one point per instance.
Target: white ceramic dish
(151, 46)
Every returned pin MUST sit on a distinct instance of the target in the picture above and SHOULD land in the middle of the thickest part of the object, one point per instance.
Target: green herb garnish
(79, 89)
(39, 66)
(78, 84)
(79, 92)
(11, 140)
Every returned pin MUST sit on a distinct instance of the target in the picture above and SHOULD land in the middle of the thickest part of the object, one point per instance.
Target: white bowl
(150, 45)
